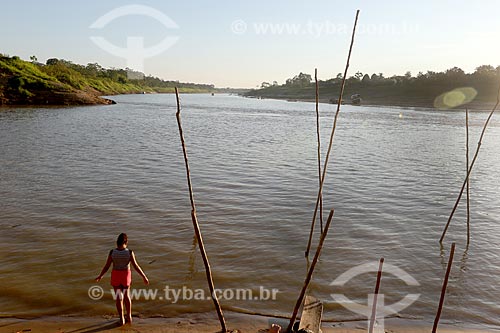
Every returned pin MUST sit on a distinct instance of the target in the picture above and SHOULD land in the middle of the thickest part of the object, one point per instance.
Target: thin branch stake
(309, 273)
(320, 191)
(194, 219)
(443, 290)
(319, 148)
(467, 169)
(375, 296)
(471, 166)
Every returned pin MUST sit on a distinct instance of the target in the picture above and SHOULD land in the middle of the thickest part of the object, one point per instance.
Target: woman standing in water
(121, 276)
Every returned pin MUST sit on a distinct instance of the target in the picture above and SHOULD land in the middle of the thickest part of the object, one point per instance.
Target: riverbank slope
(60, 82)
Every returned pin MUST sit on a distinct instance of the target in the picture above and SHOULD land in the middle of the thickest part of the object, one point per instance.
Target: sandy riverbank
(206, 323)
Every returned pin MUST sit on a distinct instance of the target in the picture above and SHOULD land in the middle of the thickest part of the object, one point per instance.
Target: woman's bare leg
(128, 306)
(119, 304)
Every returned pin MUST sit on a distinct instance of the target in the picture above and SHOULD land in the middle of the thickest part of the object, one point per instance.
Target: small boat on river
(356, 99)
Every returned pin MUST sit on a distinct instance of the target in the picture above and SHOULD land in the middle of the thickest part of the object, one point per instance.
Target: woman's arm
(105, 268)
(138, 268)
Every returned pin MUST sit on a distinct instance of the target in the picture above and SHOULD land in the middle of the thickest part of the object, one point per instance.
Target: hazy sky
(243, 43)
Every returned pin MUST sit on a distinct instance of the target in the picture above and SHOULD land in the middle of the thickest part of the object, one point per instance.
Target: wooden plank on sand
(311, 314)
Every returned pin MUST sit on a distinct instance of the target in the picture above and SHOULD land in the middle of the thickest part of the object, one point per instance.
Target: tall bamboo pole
(319, 148)
(310, 273)
(320, 191)
(194, 219)
(443, 290)
(471, 166)
(467, 169)
(375, 296)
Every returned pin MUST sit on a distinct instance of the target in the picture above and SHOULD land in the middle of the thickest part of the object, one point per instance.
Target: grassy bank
(60, 82)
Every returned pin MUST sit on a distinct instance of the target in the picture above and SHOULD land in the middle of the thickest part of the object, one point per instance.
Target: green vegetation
(61, 82)
(423, 90)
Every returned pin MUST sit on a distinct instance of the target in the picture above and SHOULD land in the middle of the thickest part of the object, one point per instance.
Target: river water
(72, 179)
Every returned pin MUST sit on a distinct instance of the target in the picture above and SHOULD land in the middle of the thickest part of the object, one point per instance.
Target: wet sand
(206, 323)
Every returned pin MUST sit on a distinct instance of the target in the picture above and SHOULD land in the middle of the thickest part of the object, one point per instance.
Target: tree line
(483, 73)
(419, 90)
(58, 68)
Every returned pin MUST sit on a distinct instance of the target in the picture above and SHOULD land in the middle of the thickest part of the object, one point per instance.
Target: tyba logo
(135, 53)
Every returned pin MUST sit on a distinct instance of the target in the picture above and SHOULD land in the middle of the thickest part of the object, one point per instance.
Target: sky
(241, 44)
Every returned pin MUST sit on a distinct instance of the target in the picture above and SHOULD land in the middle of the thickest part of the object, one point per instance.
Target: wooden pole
(443, 290)
(471, 166)
(320, 191)
(309, 273)
(194, 219)
(319, 148)
(467, 169)
(375, 296)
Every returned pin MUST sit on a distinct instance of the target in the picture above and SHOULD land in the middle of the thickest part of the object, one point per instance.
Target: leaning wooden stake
(309, 273)
(471, 166)
(467, 170)
(443, 290)
(196, 226)
(319, 148)
(320, 191)
(375, 296)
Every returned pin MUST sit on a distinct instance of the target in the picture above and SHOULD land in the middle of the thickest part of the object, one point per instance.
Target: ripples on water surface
(73, 178)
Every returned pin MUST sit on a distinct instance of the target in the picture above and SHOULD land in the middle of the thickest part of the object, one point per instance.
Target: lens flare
(455, 97)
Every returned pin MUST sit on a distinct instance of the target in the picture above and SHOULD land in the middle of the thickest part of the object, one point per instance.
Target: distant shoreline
(77, 99)
(107, 99)
(473, 106)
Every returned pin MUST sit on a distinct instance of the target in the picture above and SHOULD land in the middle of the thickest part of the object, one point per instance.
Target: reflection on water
(192, 263)
(72, 179)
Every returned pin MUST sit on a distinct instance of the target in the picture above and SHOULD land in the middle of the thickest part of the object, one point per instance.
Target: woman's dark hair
(122, 239)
